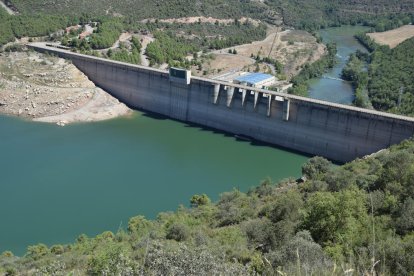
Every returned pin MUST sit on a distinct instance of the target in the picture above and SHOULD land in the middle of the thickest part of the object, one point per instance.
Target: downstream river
(58, 182)
(330, 87)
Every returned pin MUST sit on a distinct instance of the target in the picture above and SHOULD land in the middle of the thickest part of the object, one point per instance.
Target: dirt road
(9, 11)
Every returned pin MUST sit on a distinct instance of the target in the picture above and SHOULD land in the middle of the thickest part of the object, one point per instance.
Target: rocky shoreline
(49, 89)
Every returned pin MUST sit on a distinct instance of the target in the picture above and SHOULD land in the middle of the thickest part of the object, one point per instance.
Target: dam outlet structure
(337, 132)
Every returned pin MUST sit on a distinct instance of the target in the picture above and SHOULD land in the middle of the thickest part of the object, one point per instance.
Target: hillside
(299, 13)
(394, 37)
(357, 217)
(310, 14)
(388, 80)
(389, 72)
(352, 218)
(142, 9)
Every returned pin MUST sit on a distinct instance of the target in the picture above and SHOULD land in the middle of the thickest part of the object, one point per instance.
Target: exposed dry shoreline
(50, 89)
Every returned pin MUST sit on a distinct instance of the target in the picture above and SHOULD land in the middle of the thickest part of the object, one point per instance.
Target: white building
(257, 80)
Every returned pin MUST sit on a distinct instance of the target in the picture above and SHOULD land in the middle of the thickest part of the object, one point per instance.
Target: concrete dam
(337, 132)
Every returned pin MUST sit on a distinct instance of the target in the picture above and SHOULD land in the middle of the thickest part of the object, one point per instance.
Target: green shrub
(178, 232)
(37, 251)
(139, 226)
(57, 249)
(200, 200)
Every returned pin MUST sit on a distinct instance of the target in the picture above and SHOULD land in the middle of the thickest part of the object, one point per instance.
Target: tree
(139, 226)
(37, 251)
(178, 232)
(137, 44)
(234, 207)
(57, 249)
(315, 167)
(338, 220)
(64, 41)
(199, 200)
(260, 234)
(405, 221)
(302, 253)
(109, 53)
(111, 260)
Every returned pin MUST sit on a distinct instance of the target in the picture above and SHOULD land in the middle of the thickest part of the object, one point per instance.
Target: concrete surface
(338, 132)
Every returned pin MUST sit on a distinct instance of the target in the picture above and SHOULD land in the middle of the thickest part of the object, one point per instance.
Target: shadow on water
(237, 138)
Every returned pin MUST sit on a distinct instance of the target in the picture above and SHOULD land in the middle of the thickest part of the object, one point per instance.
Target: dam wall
(338, 132)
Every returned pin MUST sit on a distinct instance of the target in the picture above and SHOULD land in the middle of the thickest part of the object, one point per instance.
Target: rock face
(50, 89)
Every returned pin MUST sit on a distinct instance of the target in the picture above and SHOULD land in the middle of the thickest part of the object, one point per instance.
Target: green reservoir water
(59, 182)
(330, 87)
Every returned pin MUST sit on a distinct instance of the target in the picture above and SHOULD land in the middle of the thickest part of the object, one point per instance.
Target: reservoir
(59, 182)
(330, 87)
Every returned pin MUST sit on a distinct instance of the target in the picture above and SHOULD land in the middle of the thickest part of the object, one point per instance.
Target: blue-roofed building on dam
(258, 80)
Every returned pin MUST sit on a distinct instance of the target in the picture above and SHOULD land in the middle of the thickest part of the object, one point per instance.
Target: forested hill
(311, 14)
(356, 218)
(306, 14)
(389, 79)
(142, 9)
(44, 17)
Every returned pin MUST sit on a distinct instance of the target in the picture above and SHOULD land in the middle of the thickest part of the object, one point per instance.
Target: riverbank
(330, 87)
(50, 89)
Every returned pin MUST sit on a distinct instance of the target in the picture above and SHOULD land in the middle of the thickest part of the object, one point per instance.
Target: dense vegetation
(357, 216)
(305, 14)
(388, 79)
(142, 9)
(174, 41)
(28, 25)
(168, 48)
(218, 36)
(106, 35)
(177, 41)
(391, 73)
(314, 14)
(313, 70)
(129, 54)
(355, 72)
